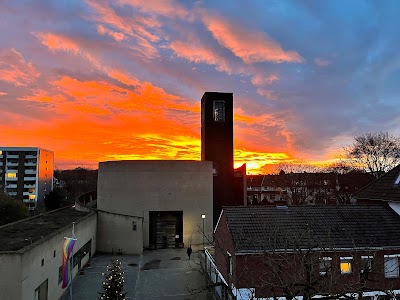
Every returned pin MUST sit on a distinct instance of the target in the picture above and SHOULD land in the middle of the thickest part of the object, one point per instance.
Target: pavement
(163, 274)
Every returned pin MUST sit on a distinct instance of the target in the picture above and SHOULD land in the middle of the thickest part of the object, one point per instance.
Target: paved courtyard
(164, 274)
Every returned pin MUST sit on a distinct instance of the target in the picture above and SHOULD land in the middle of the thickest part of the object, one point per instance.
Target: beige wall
(115, 233)
(24, 270)
(10, 276)
(137, 187)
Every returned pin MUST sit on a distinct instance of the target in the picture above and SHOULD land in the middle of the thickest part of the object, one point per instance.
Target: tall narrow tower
(217, 145)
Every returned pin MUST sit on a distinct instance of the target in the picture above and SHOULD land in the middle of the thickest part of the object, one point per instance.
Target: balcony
(28, 193)
(12, 193)
(11, 179)
(11, 186)
(13, 156)
(29, 200)
(30, 164)
(29, 185)
(30, 178)
(30, 156)
(12, 164)
(29, 171)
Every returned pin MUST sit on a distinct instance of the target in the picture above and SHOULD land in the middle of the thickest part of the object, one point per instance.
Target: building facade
(26, 173)
(154, 204)
(303, 252)
(31, 253)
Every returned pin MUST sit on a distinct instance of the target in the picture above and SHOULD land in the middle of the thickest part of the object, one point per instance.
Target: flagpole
(71, 260)
(70, 285)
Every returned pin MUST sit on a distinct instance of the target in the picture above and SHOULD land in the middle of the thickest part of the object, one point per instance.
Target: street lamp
(203, 216)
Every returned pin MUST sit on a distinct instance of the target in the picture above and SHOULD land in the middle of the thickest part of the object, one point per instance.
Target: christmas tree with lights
(113, 285)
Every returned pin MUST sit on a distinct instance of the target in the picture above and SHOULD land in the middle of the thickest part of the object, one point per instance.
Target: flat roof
(18, 235)
(6, 148)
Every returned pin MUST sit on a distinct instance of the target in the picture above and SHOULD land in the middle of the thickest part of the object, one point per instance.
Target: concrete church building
(160, 204)
(153, 204)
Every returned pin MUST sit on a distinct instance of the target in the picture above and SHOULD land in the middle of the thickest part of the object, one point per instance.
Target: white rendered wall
(10, 276)
(137, 187)
(22, 271)
(115, 233)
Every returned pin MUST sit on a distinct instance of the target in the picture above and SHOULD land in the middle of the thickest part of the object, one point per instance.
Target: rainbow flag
(66, 266)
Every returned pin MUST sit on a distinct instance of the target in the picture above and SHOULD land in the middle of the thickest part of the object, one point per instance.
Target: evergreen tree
(11, 210)
(113, 284)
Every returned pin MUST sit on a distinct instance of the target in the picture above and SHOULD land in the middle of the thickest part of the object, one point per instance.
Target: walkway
(163, 274)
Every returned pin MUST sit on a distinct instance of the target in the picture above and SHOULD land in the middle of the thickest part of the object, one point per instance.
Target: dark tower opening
(217, 146)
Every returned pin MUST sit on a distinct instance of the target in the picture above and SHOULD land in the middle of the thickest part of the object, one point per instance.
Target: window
(32, 197)
(134, 225)
(397, 180)
(325, 266)
(219, 111)
(230, 263)
(391, 265)
(59, 275)
(345, 265)
(366, 264)
(54, 253)
(42, 262)
(11, 175)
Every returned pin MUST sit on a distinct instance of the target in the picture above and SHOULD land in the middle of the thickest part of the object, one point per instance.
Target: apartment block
(26, 173)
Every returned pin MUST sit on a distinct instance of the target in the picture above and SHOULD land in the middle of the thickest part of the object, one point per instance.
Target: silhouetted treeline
(73, 183)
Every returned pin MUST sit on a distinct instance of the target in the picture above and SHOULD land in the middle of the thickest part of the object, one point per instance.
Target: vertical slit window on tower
(219, 111)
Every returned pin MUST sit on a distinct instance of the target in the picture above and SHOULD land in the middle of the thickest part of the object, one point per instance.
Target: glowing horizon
(107, 80)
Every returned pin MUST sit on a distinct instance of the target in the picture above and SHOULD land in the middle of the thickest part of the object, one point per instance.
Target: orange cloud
(15, 70)
(41, 96)
(194, 52)
(256, 161)
(61, 43)
(267, 93)
(136, 27)
(102, 97)
(261, 79)
(111, 122)
(248, 45)
(168, 8)
(118, 36)
(56, 42)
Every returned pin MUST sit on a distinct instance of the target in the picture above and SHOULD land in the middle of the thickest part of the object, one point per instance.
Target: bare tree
(375, 152)
(297, 166)
(348, 181)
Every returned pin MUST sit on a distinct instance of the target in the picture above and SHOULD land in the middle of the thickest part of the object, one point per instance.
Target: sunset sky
(98, 80)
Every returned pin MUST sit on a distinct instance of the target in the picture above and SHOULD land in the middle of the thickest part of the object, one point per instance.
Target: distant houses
(305, 188)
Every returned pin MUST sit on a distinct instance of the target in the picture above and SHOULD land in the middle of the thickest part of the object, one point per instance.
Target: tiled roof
(257, 229)
(17, 235)
(383, 188)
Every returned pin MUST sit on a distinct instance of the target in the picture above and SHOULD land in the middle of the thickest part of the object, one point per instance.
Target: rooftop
(22, 149)
(258, 229)
(17, 235)
(385, 188)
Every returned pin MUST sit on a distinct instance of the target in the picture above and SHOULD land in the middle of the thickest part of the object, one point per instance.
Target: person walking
(189, 251)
